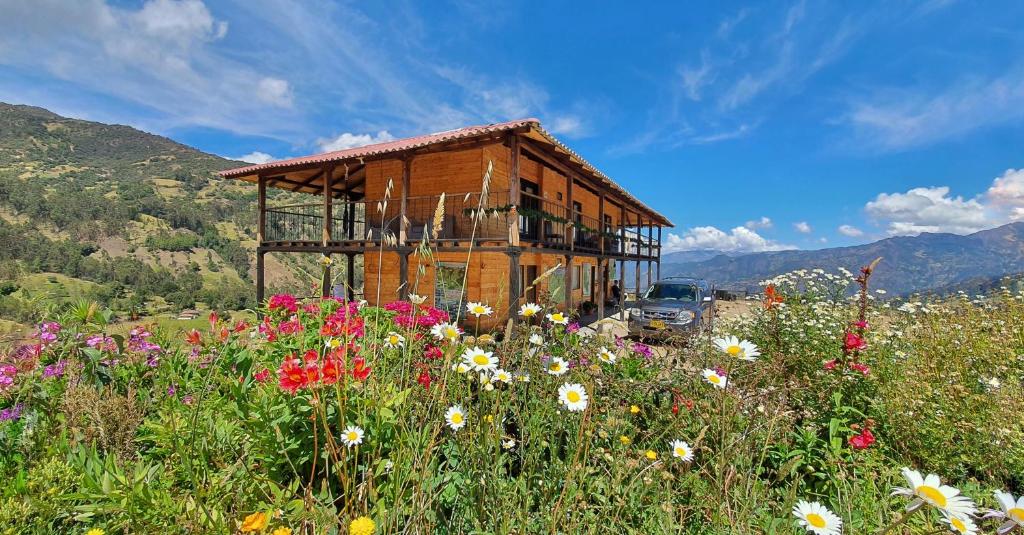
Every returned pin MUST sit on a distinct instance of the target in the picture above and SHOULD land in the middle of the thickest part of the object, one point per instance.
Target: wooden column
(515, 284)
(328, 193)
(639, 235)
(600, 221)
(350, 275)
(568, 284)
(622, 263)
(514, 187)
(260, 284)
(403, 220)
(570, 230)
(261, 203)
(659, 252)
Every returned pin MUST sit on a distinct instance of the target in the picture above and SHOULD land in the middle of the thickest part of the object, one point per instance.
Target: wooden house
(543, 206)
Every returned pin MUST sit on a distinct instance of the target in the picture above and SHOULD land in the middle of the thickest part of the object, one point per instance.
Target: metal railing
(541, 222)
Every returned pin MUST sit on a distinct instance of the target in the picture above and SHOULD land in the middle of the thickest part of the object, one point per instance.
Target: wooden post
(514, 187)
(403, 220)
(570, 230)
(403, 273)
(567, 283)
(622, 263)
(261, 202)
(328, 193)
(260, 283)
(659, 252)
(639, 235)
(515, 284)
(600, 221)
(350, 275)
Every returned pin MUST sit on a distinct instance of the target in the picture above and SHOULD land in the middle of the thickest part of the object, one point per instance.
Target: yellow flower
(362, 526)
(651, 455)
(95, 531)
(282, 531)
(254, 522)
(633, 409)
(624, 440)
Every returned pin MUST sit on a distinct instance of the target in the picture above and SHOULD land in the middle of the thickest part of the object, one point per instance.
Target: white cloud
(739, 239)
(899, 119)
(929, 209)
(1007, 193)
(694, 79)
(275, 91)
(851, 231)
(803, 227)
(569, 125)
(934, 209)
(348, 141)
(764, 222)
(256, 157)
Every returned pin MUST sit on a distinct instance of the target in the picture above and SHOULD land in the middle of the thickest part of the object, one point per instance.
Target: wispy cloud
(899, 119)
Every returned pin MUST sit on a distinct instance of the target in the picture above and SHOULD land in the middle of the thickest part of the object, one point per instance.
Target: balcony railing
(541, 222)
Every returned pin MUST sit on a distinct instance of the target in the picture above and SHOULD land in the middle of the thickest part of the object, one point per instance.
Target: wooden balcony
(542, 224)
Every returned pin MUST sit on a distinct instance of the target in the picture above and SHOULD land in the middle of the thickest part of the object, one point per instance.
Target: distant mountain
(911, 264)
(111, 213)
(696, 255)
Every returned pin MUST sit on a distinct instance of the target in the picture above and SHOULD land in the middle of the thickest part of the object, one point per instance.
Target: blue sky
(752, 126)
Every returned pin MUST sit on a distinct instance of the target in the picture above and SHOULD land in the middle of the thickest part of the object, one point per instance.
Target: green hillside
(134, 220)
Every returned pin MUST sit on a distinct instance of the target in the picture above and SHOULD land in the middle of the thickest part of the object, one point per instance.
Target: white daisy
(455, 417)
(509, 444)
(960, 524)
(417, 299)
(558, 318)
(929, 489)
(394, 340)
(682, 451)
(557, 366)
(817, 519)
(715, 378)
(352, 436)
(529, 310)
(573, 396)
(479, 360)
(501, 376)
(1013, 510)
(734, 347)
(332, 343)
(478, 309)
(523, 377)
(536, 339)
(485, 381)
(606, 356)
(446, 331)
(460, 367)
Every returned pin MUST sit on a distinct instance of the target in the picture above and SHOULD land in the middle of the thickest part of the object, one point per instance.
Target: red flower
(860, 324)
(213, 320)
(240, 327)
(360, 371)
(675, 408)
(863, 440)
(262, 375)
(283, 301)
(291, 375)
(291, 326)
(853, 342)
(330, 371)
(830, 365)
(424, 379)
(224, 334)
(432, 352)
(194, 337)
(864, 369)
(311, 356)
(771, 296)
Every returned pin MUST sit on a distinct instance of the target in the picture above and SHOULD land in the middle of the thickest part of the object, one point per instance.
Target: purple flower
(172, 390)
(572, 327)
(153, 361)
(187, 400)
(643, 349)
(6, 381)
(11, 413)
(55, 370)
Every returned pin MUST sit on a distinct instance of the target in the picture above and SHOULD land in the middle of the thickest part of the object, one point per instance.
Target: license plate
(657, 324)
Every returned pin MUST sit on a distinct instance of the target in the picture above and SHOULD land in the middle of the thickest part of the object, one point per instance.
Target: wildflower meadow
(826, 409)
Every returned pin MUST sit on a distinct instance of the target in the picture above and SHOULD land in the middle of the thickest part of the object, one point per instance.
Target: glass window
(588, 273)
(677, 292)
(556, 285)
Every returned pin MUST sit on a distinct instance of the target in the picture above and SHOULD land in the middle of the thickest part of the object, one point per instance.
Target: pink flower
(830, 365)
(864, 369)
(853, 342)
(863, 440)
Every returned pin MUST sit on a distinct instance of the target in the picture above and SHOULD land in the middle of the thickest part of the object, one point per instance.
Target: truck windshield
(677, 292)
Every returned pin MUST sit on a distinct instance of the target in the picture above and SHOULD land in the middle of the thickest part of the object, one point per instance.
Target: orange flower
(771, 296)
(254, 522)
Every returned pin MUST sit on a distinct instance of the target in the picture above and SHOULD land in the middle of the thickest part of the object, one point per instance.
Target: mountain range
(910, 263)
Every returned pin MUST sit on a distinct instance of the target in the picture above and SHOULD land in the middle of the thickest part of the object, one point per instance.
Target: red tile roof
(409, 143)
